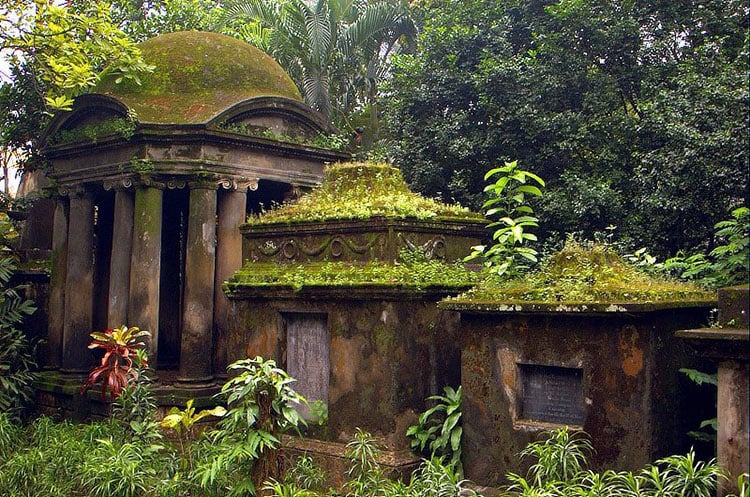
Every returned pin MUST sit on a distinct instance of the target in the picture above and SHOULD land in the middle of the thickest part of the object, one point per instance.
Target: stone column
(79, 285)
(196, 348)
(119, 266)
(145, 265)
(730, 345)
(733, 422)
(56, 308)
(232, 209)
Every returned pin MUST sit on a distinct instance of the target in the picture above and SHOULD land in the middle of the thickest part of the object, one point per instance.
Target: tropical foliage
(510, 252)
(334, 49)
(633, 112)
(727, 264)
(438, 430)
(17, 361)
(560, 470)
(65, 48)
(116, 368)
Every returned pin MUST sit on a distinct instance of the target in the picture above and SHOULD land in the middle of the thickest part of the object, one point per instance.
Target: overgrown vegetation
(586, 273)
(560, 470)
(416, 274)
(17, 361)
(123, 127)
(361, 190)
(336, 142)
(726, 265)
(635, 118)
(438, 431)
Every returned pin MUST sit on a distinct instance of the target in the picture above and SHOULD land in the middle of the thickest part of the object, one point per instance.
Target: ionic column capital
(119, 184)
(241, 184)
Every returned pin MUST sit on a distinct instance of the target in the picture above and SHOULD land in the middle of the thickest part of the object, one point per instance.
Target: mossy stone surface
(591, 275)
(196, 76)
(363, 190)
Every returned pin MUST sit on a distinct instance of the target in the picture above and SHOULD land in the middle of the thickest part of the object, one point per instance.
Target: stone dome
(196, 76)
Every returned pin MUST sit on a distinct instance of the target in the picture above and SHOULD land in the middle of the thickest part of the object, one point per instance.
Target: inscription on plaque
(307, 357)
(552, 394)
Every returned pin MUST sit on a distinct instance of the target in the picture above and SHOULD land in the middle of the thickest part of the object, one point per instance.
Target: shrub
(438, 430)
(560, 470)
(17, 363)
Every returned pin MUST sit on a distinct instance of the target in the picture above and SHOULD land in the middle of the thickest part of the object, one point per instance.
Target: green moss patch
(360, 190)
(196, 76)
(584, 274)
(414, 275)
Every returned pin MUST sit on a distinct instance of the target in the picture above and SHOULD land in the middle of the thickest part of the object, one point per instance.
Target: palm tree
(333, 49)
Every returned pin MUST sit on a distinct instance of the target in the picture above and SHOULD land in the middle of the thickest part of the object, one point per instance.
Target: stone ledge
(719, 343)
(577, 308)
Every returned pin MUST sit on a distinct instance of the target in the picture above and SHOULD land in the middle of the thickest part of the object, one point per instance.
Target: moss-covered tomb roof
(363, 190)
(196, 76)
(592, 277)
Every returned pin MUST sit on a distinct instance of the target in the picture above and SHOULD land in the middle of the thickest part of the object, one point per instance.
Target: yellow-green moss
(196, 76)
(361, 190)
(417, 275)
(585, 274)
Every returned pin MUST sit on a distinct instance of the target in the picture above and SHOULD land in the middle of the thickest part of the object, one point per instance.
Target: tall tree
(66, 48)
(334, 49)
(634, 112)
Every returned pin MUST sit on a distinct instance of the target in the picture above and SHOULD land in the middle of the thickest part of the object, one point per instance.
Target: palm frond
(319, 34)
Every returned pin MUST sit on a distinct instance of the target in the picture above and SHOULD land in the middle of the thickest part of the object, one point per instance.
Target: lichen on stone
(581, 274)
(362, 190)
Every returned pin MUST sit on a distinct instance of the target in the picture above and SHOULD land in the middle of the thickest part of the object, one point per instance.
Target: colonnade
(213, 252)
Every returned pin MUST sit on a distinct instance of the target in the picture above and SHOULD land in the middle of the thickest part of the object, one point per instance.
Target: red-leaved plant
(116, 367)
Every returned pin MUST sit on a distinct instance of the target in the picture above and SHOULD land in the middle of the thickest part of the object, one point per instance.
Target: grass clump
(362, 190)
(585, 273)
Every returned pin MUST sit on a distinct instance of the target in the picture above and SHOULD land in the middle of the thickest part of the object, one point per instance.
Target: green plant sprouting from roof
(585, 273)
(337, 142)
(362, 190)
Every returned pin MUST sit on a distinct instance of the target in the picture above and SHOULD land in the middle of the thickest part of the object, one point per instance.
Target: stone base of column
(201, 382)
(59, 395)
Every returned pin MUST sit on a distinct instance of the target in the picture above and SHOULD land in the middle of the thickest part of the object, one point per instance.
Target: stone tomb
(729, 345)
(366, 354)
(151, 183)
(607, 368)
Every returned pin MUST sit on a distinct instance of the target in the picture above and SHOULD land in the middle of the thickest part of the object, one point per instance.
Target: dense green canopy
(634, 113)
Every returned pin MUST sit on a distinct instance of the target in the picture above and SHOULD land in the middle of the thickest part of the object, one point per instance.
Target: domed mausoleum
(152, 182)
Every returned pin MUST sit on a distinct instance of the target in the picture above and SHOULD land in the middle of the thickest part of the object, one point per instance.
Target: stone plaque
(552, 394)
(307, 358)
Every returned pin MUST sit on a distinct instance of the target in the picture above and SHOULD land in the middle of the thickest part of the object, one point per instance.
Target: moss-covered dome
(196, 76)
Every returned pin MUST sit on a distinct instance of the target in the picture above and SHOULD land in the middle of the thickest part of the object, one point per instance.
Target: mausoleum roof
(196, 76)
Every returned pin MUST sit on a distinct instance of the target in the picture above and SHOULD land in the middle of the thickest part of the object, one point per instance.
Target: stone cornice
(172, 134)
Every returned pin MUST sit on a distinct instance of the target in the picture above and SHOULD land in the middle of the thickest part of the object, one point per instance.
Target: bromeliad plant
(116, 367)
(510, 251)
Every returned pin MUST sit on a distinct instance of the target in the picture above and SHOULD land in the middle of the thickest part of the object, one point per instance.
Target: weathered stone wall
(386, 356)
(634, 407)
